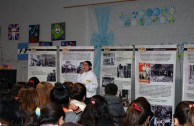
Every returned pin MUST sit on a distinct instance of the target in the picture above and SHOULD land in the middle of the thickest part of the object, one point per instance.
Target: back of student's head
(69, 85)
(29, 98)
(60, 94)
(50, 113)
(33, 82)
(138, 113)
(43, 89)
(191, 115)
(78, 92)
(111, 89)
(96, 113)
(181, 112)
(11, 111)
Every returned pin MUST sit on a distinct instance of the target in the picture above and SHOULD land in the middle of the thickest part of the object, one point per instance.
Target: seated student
(138, 113)
(29, 99)
(115, 103)
(43, 89)
(96, 113)
(50, 114)
(190, 120)
(11, 112)
(33, 82)
(61, 95)
(69, 85)
(181, 113)
(78, 95)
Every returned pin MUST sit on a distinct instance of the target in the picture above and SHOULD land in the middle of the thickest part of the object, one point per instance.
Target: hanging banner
(42, 63)
(116, 65)
(155, 79)
(71, 61)
(188, 73)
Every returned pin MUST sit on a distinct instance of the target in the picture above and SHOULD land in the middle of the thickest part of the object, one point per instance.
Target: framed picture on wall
(34, 31)
(58, 31)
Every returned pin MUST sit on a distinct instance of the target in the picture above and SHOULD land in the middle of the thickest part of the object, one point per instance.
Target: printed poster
(188, 73)
(116, 67)
(42, 63)
(22, 51)
(34, 31)
(13, 32)
(58, 31)
(155, 79)
(71, 61)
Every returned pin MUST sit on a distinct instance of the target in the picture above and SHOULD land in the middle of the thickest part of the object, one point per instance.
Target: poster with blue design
(22, 51)
(147, 17)
(13, 32)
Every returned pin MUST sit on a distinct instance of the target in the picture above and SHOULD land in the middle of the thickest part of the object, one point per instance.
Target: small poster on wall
(45, 43)
(22, 51)
(68, 43)
(13, 32)
(34, 33)
(58, 31)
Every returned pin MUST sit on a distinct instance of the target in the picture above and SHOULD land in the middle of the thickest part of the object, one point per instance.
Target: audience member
(78, 95)
(29, 99)
(138, 113)
(33, 82)
(115, 104)
(50, 114)
(69, 85)
(181, 113)
(61, 95)
(43, 89)
(11, 112)
(96, 113)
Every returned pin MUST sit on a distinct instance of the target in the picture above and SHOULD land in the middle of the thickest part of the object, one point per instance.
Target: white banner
(116, 67)
(71, 61)
(155, 79)
(188, 73)
(42, 63)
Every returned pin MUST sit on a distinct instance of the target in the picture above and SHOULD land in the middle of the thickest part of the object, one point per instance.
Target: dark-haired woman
(88, 78)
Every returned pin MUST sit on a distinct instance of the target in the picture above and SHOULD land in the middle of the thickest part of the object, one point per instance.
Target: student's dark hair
(33, 82)
(89, 64)
(96, 113)
(137, 113)
(60, 94)
(181, 111)
(69, 85)
(111, 89)
(78, 91)
(49, 114)
(191, 115)
(11, 110)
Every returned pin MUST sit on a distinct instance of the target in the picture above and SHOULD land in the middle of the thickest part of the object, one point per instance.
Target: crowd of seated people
(63, 104)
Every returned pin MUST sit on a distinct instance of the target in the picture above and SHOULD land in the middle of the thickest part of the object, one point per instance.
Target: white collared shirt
(90, 81)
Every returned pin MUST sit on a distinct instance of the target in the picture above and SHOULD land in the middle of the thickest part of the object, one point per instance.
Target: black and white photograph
(35, 60)
(107, 80)
(108, 59)
(124, 71)
(124, 95)
(191, 74)
(51, 76)
(69, 67)
(163, 115)
(80, 66)
(161, 72)
(48, 60)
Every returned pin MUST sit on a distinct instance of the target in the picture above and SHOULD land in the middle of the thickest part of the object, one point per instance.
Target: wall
(81, 22)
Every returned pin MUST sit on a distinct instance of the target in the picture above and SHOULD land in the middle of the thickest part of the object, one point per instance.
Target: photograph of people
(88, 78)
